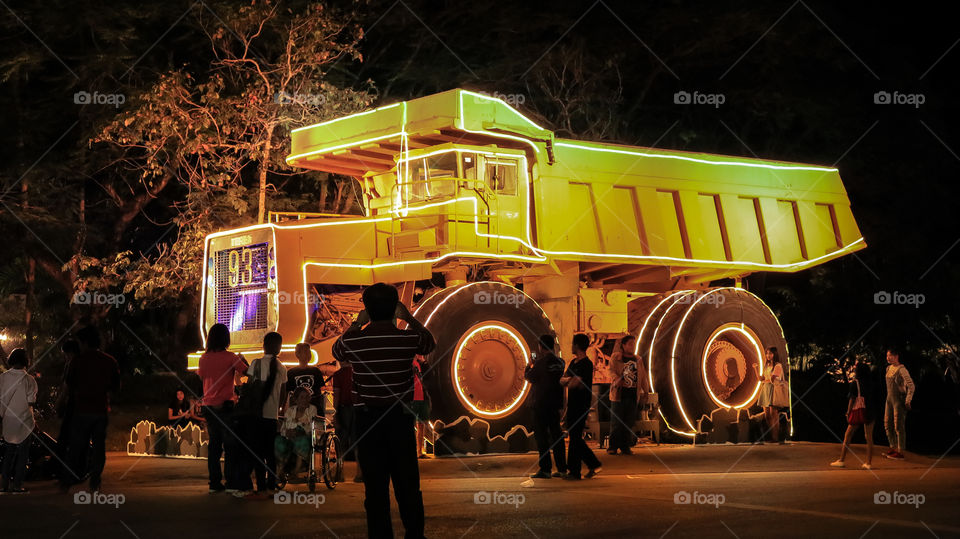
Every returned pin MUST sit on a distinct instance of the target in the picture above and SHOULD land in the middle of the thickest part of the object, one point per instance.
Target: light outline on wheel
(456, 361)
(653, 340)
(741, 328)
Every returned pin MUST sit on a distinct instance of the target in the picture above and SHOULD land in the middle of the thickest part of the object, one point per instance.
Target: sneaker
(540, 475)
(838, 464)
(889, 453)
(241, 493)
(215, 489)
(232, 491)
(866, 466)
(626, 451)
(558, 474)
(896, 456)
(571, 477)
(593, 472)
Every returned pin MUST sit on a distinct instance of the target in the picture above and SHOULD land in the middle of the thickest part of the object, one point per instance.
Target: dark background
(798, 80)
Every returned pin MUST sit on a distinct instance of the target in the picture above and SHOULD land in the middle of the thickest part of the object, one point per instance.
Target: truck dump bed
(623, 212)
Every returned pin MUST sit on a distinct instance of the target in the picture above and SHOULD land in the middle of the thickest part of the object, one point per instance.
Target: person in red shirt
(220, 371)
(90, 379)
(345, 416)
(421, 404)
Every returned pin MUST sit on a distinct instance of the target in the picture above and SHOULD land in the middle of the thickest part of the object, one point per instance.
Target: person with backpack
(624, 390)
(260, 402)
(899, 396)
(18, 395)
(861, 411)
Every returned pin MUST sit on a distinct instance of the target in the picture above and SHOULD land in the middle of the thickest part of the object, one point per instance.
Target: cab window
(500, 176)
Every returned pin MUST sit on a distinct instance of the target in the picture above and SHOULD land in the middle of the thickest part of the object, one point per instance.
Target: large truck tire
(485, 334)
(704, 351)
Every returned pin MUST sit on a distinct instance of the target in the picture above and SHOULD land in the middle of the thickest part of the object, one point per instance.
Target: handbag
(858, 415)
(781, 395)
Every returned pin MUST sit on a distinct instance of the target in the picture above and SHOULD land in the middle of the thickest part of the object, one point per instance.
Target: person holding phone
(383, 379)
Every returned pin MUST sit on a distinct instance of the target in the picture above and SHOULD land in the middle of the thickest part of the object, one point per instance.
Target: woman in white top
(771, 375)
(18, 393)
(294, 437)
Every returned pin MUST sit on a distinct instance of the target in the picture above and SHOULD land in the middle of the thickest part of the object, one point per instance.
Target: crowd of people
(259, 416)
(90, 378)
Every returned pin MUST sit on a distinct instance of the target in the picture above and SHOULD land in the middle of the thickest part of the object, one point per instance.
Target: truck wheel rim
(732, 358)
(488, 367)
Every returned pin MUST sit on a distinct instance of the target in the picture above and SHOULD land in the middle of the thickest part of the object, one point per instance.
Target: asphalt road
(735, 491)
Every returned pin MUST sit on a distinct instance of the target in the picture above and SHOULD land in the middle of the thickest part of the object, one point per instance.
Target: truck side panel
(675, 210)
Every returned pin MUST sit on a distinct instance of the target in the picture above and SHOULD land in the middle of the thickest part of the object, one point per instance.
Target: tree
(209, 136)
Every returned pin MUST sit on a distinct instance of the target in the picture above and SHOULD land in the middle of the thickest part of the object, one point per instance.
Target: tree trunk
(31, 279)
(324, 187)
(350, 198)
(264, 165)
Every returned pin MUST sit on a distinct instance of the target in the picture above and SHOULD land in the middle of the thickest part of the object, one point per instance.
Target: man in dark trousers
(579, 383)
(382, 358)
(90, 379)
(546, 394)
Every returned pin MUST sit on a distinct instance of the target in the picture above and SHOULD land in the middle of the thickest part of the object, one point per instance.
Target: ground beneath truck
(732, 490)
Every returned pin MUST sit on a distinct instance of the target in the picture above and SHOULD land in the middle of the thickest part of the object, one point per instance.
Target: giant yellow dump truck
(496, 232)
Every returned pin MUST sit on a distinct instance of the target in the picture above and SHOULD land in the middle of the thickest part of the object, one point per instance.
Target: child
(18, 394)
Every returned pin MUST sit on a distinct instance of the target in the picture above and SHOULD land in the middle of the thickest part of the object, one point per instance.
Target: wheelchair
(325, 448)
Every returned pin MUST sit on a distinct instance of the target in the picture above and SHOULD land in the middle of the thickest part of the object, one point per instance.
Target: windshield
(431, 176)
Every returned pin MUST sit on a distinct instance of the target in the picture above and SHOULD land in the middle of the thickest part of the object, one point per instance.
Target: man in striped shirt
(382, 359)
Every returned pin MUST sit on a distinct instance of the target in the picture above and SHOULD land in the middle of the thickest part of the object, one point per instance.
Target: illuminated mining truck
(495, 231)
